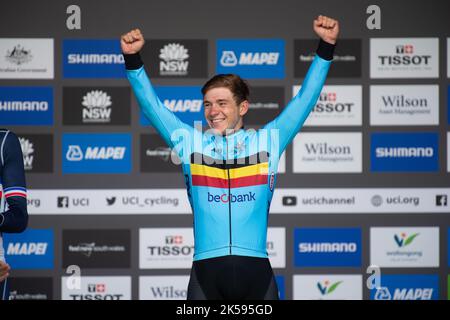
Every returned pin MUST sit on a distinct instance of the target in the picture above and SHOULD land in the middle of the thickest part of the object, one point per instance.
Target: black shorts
(232, 278)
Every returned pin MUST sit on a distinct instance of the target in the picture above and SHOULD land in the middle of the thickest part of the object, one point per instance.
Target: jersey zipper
(229, 195)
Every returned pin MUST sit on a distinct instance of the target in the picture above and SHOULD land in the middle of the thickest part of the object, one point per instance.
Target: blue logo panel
(281, 287)
(327, 247)
(185, 102)
(96, 153)
(26, 106)
(31, 249)
(93, 59)
(404, 152)
(251, 59)
(407, 287)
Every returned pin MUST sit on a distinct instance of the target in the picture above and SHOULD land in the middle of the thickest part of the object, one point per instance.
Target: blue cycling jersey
(230, 179)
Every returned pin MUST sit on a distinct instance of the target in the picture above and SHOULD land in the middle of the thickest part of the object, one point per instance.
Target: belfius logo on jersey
(176, 58)
(407, 287)
(251, 59)
(96, 153)
(93, 59)
(37, 150)
(330, 247)
(243, 172)
(96, 106)
(32, 249)
(404, 152)
(26, 106)
(185, 102)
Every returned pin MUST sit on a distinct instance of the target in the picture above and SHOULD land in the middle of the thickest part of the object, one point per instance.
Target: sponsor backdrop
(367, 182)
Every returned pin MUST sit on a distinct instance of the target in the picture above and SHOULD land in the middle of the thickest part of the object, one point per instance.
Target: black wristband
(133, 61)
(325, 50)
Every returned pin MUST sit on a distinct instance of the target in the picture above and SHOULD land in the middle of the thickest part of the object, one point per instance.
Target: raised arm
(163, 119)
(291, 120)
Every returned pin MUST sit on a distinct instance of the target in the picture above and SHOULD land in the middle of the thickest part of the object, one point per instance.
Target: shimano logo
(327, 247)
(184, 105)
(401, 152)
(95, 58)
(75, 153)
(225, 198)
(27, 249)
(229, 58)
(41, 106)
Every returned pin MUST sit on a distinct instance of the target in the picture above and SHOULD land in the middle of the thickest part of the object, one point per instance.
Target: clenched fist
(326, 28)
(132, 42)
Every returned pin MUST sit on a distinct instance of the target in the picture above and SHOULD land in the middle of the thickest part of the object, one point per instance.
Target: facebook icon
(441, 200)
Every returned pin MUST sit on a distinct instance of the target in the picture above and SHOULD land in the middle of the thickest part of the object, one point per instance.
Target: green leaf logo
(333, 287)
(410, 239)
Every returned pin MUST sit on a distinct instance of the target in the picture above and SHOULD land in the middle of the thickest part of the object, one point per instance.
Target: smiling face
(221, 110)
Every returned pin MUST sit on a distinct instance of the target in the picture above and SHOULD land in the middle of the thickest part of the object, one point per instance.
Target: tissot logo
(174, 58)
(96, 106)
(404, 57)
(98, 288)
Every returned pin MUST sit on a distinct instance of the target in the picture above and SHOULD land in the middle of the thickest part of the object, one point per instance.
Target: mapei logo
(225, 198)
(96, 153)
(407, 287)
(327, 287)
(251, 58)
(404, 240)
(185, 102)
(32, 249)
(96, 107)
(174, 56)
(403, 152)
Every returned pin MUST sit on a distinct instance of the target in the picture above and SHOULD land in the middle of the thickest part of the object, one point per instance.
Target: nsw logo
(175, 60)
(96, 107)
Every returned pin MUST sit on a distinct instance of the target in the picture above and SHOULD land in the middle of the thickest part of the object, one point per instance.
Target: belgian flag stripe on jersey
(244, 172)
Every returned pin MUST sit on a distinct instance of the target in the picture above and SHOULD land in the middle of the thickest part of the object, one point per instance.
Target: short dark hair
(237, 85)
